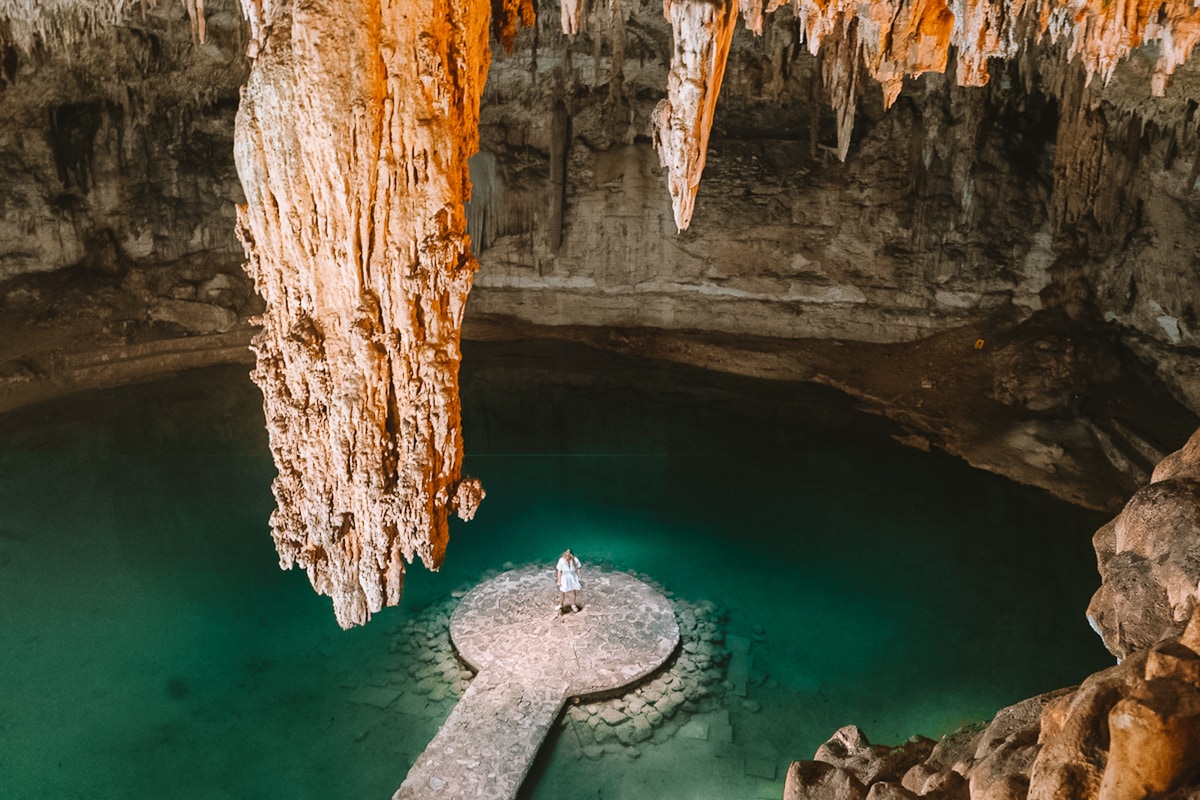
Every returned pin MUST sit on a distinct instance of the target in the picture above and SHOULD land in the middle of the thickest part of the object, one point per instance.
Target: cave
(865, 336)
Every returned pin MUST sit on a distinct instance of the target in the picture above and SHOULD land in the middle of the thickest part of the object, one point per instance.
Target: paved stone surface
(531, 658)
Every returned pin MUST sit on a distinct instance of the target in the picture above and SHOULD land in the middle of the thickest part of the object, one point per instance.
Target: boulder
(886, 790)
(1149, 558)
(1174, 661)
(917, 776)
(849, 749)
(818, 780)
(1075, 734)
(956, 749)
(1183, 463)
(1154, 740)
(1003, 774)
(846, 743)
(1023, 718)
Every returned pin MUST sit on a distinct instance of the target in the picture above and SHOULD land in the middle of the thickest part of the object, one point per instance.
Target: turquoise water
(151, 647)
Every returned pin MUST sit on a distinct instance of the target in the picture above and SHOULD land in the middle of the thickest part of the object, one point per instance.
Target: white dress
(569, 570)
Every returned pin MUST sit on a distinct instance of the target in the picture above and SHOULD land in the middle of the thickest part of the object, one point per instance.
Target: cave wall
(1032, 192)
(118, 172)
(1038, 196)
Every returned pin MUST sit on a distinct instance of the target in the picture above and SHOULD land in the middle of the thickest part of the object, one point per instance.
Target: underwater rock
(643, 713)
(614, 725)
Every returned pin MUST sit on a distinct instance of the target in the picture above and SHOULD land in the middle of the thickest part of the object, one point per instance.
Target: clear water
(150, 646)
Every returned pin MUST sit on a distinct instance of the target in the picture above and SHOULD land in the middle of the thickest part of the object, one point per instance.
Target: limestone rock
(846, 743)
(193, 317)
(1183, 464)
(1172, 660)
(1019, 719)
(1048, 372)
(1071, 759)
(1149, 559)
(816, 780)
(352, 143)
(885, 790)
(1154, 740)
(702, 30)
(889, 41)
(850, 749)
(1003, 774)
(1126, 732)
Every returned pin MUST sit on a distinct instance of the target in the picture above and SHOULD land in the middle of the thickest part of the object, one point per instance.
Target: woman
(568, 579)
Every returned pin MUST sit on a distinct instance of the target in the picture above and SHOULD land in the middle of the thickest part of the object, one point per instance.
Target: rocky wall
(118, 150)
(1039, 200)
(957, 203)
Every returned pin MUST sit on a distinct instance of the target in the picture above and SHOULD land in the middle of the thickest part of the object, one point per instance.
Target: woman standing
(568, 579)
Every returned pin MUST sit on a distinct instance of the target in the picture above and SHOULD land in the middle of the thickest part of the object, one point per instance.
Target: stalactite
(840, 68)
(703, 31)
(507, 16)
(352, 143)
(616, 81)
(573, 13)
(752, 13)
(195, 13)
(890, 39)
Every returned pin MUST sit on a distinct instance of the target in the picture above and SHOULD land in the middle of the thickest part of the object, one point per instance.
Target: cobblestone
(530, 660)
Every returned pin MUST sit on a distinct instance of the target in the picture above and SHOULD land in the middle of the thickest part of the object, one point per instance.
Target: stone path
(531, 659)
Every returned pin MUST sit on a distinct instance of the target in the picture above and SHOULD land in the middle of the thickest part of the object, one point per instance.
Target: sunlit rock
(352, 144)
(703, 31)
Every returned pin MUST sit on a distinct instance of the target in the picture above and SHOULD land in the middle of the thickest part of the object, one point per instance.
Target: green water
(150, 646)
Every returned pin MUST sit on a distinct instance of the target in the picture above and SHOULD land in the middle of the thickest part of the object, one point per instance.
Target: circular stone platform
(511, 624)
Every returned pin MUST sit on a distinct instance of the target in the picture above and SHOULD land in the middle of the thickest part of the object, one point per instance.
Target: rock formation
(891, 40)
(352, 143)
(1125, 733)
(1149, 559)
(959, 213)
(702, 32)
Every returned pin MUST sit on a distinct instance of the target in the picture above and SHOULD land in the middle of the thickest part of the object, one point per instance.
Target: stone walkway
(531, 658)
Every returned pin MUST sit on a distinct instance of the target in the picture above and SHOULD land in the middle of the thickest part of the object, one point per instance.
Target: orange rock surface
(352, 144)
(703, 32)
(888, 40)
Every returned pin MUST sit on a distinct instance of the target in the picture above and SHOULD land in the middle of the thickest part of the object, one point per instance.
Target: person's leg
(575, 599)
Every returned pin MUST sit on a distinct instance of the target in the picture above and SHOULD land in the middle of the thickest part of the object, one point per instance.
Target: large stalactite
(352, 144)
